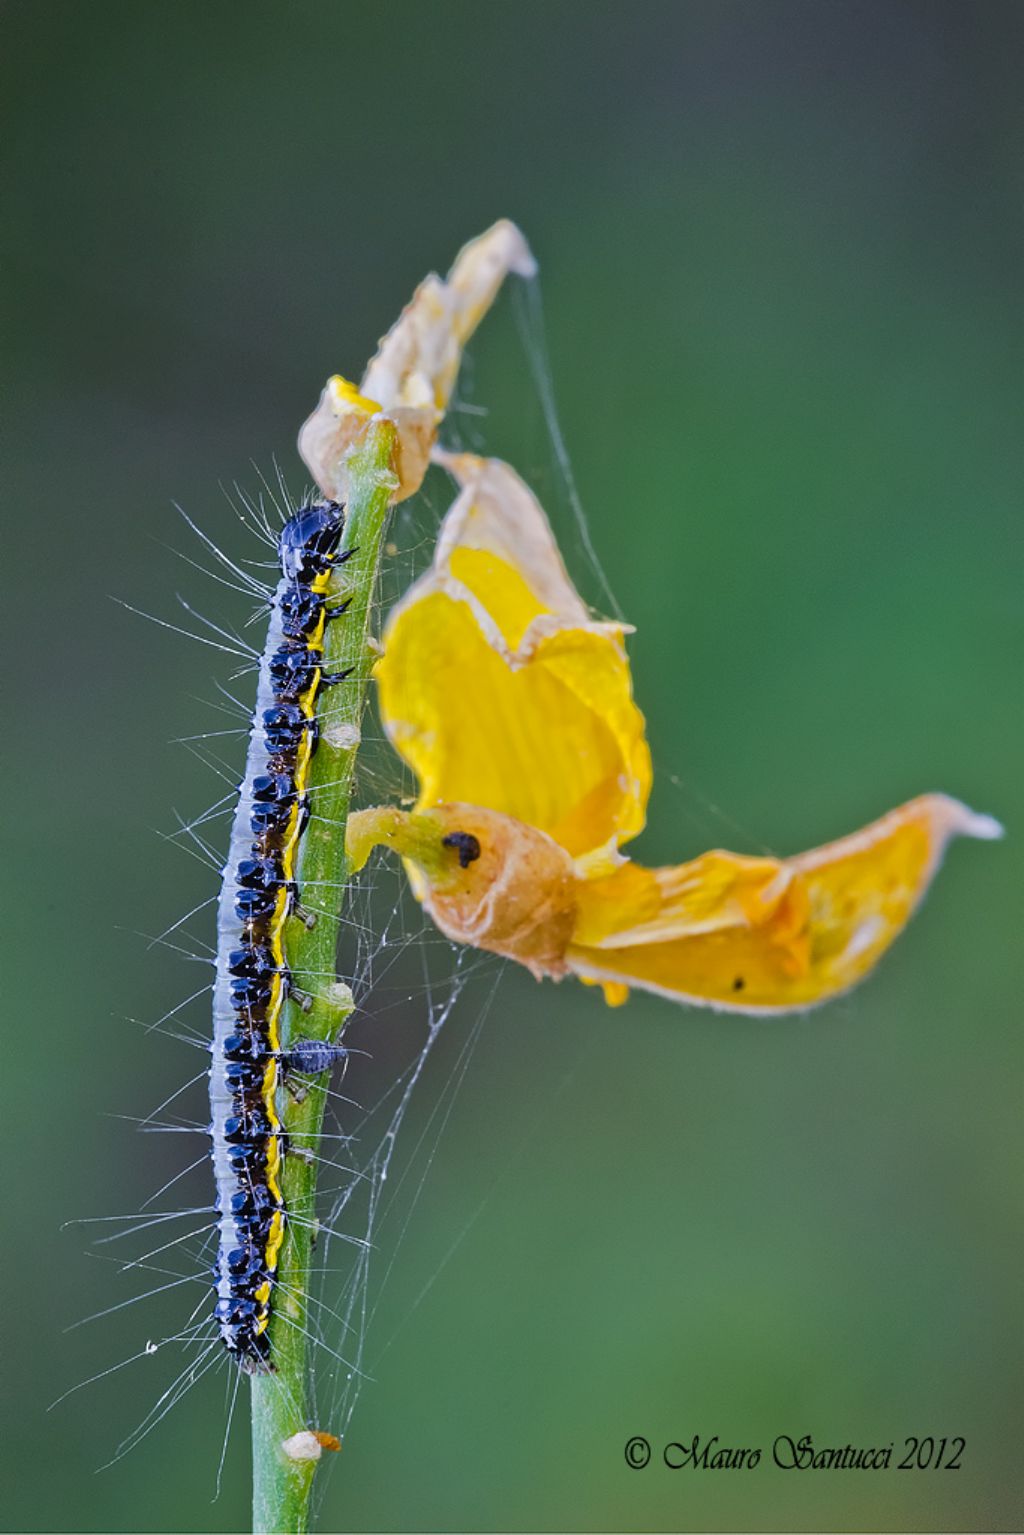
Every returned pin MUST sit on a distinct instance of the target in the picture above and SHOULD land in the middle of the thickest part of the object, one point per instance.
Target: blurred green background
(781, 253)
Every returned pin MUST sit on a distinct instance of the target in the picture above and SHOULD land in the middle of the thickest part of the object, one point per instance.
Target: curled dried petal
(411, 378)
(487, 880)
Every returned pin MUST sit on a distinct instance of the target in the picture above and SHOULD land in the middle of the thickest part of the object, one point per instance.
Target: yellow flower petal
(413, 373)
(765, 935)
(500, 691)
(615, 993)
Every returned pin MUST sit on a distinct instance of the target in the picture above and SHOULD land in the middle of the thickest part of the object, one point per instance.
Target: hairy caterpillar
(258, 893)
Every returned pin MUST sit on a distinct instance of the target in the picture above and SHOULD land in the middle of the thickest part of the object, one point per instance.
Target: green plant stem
(280, 1406)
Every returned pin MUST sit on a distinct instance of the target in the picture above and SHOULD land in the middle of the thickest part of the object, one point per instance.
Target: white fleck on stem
(302, 1446)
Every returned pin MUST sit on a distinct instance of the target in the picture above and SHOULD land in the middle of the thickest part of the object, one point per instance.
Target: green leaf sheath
(280, 1406)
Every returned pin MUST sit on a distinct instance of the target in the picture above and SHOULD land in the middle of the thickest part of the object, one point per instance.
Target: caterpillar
(259, 891)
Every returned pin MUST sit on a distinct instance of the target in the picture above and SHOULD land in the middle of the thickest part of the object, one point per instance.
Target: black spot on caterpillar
(258, 892)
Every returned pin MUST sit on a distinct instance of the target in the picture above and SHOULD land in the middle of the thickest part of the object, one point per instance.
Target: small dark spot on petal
(466, 844)
(739, 983)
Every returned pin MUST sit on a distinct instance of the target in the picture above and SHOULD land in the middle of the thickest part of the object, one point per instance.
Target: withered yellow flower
(514, 708)
(412, 376)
